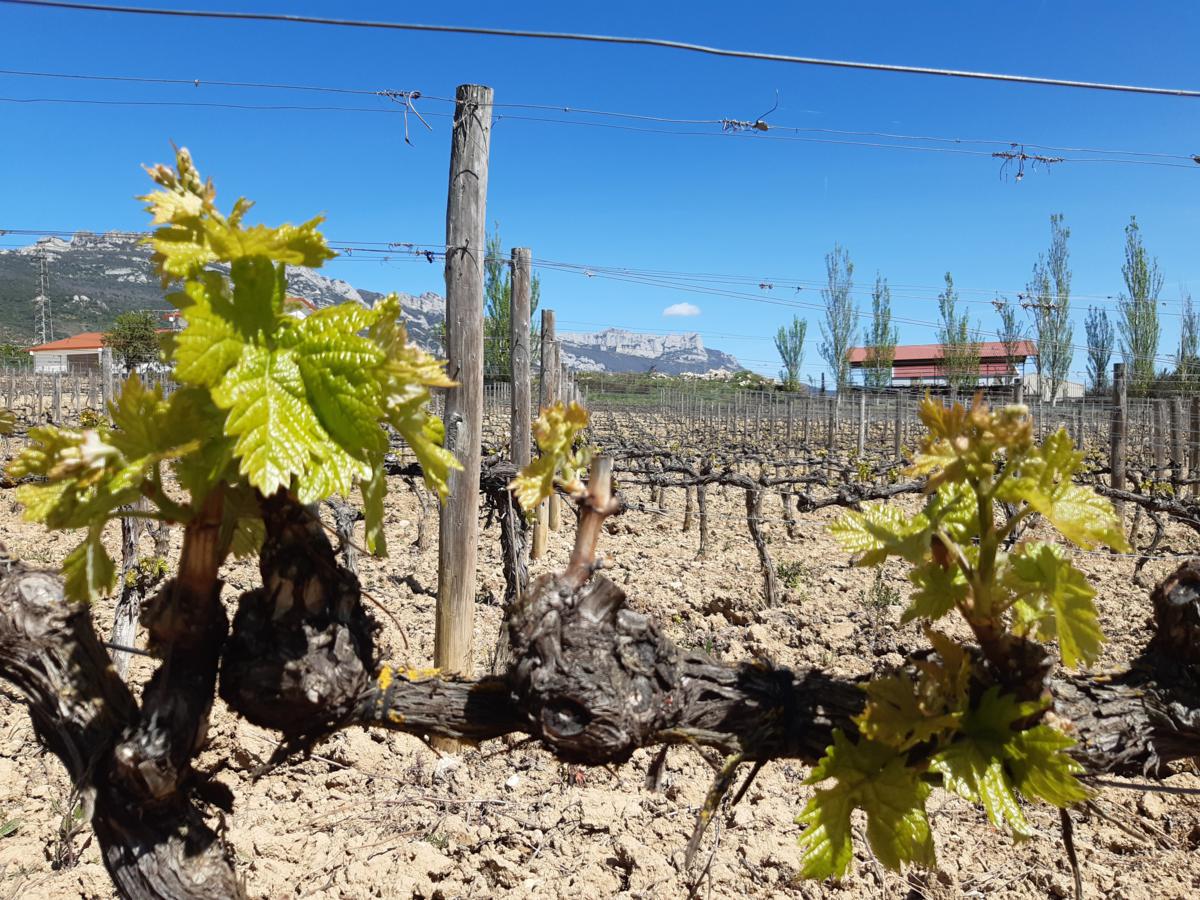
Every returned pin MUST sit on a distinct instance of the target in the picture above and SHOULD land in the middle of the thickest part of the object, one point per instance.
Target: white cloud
(682, 309)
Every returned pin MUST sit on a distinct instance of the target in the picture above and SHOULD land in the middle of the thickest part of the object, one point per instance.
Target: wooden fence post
(1194, 461)
(458, 526)
(862, 423)
(1159, 440)
(521, 420)
(549, 394)
(1116, 456)
(897, 435)
(1178, 458)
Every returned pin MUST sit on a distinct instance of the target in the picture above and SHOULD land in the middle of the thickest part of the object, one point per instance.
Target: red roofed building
(922, 363)
(80, 353)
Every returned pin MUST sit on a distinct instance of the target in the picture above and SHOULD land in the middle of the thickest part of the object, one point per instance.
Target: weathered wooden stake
(1178, 456)
(862, 423)
(1116, 456)
(458, 527)
(521, 420)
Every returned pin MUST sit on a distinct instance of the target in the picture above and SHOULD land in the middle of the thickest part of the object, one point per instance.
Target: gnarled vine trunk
(591, 678)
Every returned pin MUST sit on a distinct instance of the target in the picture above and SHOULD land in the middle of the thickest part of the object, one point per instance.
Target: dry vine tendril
(971, 724)
(266, 402)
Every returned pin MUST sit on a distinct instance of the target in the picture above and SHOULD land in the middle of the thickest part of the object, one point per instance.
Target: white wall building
(80, 353)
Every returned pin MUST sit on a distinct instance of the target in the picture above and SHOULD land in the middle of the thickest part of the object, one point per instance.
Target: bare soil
(375, 814)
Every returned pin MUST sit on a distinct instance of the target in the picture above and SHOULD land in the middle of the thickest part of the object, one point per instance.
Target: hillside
(94, 277)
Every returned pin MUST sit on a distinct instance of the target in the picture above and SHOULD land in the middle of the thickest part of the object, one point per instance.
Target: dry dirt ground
(381, 815)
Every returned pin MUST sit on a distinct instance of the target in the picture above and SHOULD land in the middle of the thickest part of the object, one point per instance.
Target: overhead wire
(661, 43)
(568, 109)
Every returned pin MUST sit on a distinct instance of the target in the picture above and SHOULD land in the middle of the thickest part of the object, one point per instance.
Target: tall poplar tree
(1099, 348)
(1187, 360)
(880, 339)
(1012, 332)
(837, 330)
(1049, 292)
(1138, 307)
(960, 351)
(789, 341)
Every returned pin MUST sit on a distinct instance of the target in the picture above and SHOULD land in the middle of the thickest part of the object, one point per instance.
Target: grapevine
(971, 723)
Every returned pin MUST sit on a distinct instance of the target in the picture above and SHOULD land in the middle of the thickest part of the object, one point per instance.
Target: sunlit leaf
(1056, 601)
(560, 462)
(874, 778)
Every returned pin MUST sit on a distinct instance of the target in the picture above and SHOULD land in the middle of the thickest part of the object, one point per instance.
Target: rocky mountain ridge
(94, 277)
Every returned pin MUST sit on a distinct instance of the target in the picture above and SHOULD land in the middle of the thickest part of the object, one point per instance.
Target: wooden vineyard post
(521, 418)
(862, 423)
(1178, 459)
(56, 399)
(831, 433)
(554, 517)
(897, 432)
(520, 451)
(1194, 455)
(458, 525)
(106, 381)
(1116, 456)
(545, 398)
(1159, 440)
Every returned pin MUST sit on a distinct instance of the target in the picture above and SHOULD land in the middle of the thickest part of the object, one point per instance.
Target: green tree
(13, 356)
(789, 341)
(1099, 348)
(497, 310)
(1050, 293)
(840, 314)
(134, 338)
(1187, 360)
(1138, 307)
(960, 351)
(880, 339)
(1012, 332)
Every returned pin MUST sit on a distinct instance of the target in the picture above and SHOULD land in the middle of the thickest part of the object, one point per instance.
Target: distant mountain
(94, 277)
(616, 350)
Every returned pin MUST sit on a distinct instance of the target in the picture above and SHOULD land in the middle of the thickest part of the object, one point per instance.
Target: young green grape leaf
(88, 572)
(1041, 767)
(407, 375)
(340, 368)
(209, 346)
(975, 771)
(973, 765)
(196, 234)
(1044, 482)
(259, 288)
(560, 462)
(881, 530)
(278, 436)
(8, 421)
(242, 528)
(938, 590)
(1054, 599)
(872, 777)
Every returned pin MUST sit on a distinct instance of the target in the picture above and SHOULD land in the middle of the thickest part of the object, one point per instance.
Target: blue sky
(765, 207)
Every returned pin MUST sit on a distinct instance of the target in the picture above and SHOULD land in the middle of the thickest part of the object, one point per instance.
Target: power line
(412, 251)
(567, 109)
(662, 43)
(1018, 151)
